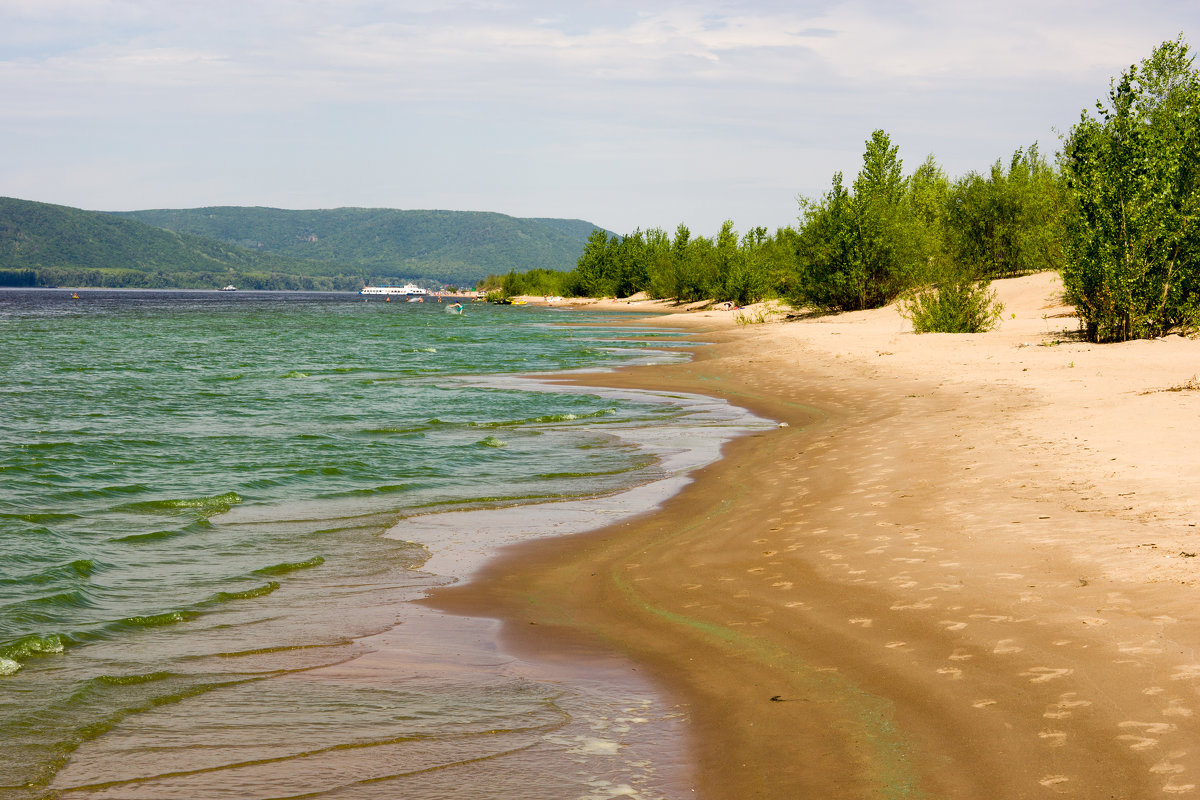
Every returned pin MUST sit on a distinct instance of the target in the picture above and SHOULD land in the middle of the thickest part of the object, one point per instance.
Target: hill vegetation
(339, 250)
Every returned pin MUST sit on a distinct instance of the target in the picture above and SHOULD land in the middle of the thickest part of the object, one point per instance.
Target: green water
(194, 490)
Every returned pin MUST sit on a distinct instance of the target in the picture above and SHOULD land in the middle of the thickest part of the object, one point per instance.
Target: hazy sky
(624, 114)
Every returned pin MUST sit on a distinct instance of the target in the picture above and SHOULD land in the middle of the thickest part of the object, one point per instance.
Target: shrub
(954, 306)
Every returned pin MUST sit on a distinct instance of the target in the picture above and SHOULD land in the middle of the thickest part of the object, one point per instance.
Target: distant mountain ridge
(253, 247)
(454, 246)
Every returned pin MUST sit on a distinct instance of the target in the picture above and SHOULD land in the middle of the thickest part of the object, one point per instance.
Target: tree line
(1118, 215)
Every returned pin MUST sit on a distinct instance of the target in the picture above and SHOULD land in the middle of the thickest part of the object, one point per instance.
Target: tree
(861, 249)
(1009, 222)
(1132, 255)
(592, 274)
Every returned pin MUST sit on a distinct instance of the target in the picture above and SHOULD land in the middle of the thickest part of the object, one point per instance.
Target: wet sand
(968, 567)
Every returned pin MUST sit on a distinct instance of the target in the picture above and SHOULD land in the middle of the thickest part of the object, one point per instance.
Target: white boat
(230, 288)
(407, 289)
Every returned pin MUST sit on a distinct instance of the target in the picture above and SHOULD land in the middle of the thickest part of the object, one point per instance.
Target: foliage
(957, 306)
(543, 282)
(861, 248)
(1010, 222)
(687, 268)
(1132, 266)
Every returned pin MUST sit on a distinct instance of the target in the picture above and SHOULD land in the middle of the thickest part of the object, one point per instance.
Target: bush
(955, 306)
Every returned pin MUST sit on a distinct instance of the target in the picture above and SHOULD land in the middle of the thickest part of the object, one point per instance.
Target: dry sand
(969, 567)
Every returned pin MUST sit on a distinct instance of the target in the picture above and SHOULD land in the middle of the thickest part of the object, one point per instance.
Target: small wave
(388, 431)
(157, 620)
(247, 594)
(546, 418)
(153, 536)
(43, 516)
(104, 491)
(286, 567)
(45, 446)
(390, 488)
(205, 505)
(295, 374)
(80, 568)
(491, 441)
(131, 680)
(13, 654)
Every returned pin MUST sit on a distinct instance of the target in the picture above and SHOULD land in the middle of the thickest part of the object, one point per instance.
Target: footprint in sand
(953, 673)
(1167, 766)
(1065, 707)
(1172, 787)
(1053, 738)
(951, 625)
(983, 703)
(1006, 646)
(1045, 674)
(1176, 709)
(1186, 672)
(1142, 740)
(862, 622)
(919, 605)
(1051, 781)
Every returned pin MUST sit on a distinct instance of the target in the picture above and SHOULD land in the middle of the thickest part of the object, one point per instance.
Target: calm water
(214, 507)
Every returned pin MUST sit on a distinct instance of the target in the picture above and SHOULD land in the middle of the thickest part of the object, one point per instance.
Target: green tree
(592, 276)
(1010, 222)
(861, 249)
(1132, 255)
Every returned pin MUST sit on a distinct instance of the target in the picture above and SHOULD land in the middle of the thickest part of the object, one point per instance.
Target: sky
(625, 114)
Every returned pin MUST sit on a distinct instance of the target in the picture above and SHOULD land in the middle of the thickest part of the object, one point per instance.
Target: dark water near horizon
(196, 488)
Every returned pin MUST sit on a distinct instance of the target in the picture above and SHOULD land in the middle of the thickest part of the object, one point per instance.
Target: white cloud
(536, 107)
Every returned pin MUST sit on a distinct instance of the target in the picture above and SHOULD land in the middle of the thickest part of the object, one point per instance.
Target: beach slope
(966, 567)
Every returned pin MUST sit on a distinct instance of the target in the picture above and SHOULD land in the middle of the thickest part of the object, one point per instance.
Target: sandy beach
(964, 566)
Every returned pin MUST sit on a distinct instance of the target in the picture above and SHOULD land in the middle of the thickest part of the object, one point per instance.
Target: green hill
(449, 246)
(46, 245)
(50, 245)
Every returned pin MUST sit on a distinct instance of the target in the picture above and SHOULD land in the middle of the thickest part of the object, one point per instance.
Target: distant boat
(407, 289)
(230, 288)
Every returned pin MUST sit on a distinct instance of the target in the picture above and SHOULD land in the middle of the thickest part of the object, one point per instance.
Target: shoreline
(965, 552)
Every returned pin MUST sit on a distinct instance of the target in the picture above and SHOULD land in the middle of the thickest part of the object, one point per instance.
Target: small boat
(229, 288)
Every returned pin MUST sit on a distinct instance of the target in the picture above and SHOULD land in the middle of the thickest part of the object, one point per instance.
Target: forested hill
(51, 245)
(451, 246)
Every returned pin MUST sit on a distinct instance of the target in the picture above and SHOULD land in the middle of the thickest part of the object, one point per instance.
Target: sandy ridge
(966, 567)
